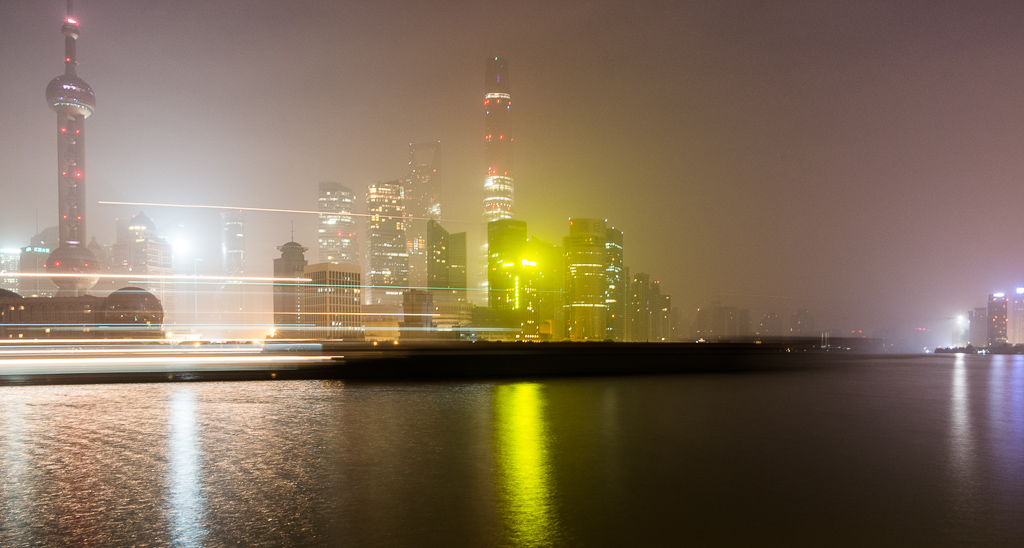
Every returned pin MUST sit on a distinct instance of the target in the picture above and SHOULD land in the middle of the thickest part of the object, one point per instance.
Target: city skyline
(802, 174)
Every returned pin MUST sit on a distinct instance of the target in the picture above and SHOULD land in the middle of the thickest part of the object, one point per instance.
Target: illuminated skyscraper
(387, 258)
(330, 306)
(997, 305)
(446, 263)
(615, 295)
(230, 294)
(336, 233)
(74, 101)
(498, 186)
(586, 281)
(10, 259)
(506, 248)
(524, 280)
(640, 308)
(1015, 318)
(421, 205)
(661, 314)
(232, 242)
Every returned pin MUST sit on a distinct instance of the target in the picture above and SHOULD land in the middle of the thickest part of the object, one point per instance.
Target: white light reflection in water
(521, 447)
(962, 450)
(16, 497)
(185, 497)
(997, 401)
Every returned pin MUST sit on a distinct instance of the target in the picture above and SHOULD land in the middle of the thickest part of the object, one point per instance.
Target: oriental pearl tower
(72, 263)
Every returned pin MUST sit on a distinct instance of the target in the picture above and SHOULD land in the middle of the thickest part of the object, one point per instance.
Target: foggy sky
(860, 159)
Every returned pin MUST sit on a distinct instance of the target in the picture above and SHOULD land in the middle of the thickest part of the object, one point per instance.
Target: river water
(894, 451)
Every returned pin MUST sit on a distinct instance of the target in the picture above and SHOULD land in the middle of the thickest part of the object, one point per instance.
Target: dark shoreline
(488, 360)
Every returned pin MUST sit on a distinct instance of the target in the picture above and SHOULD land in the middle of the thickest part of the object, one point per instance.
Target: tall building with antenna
(498, 185)
(129, 312)
(74, 101)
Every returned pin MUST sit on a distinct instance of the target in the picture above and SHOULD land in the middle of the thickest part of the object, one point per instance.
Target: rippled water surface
(895, 451)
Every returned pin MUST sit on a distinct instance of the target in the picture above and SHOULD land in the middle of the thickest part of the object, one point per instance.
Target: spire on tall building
(74, 101)
(498, 186)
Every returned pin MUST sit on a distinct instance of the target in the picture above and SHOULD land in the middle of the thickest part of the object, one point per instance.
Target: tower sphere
(70, 93)
(77, 260)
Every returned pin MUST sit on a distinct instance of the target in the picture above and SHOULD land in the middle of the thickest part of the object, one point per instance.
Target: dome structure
(7, 294)
(292, 250)
(133, 305)
(77, 266)
(71, 93)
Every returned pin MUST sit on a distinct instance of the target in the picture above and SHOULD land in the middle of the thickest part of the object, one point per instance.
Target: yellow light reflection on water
(521, 453)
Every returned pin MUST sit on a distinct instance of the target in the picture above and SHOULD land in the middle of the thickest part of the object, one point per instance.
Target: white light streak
(154, 277)
(272, 210)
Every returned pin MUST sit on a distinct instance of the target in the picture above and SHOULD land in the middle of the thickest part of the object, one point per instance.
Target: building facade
(998, 304)
(421, 206)
(232, 243)
(288, 293)
(615, 296)
(387, 257)
(330, 302)
(978, 326)
(337, 240)
(1015, 318)
(639, 312)
(586, 282)
(10, 262)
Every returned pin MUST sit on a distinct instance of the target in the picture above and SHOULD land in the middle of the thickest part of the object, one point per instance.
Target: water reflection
(184, 478)
(521, 453)
(1006, 421)
(962, 450)
(16, 476)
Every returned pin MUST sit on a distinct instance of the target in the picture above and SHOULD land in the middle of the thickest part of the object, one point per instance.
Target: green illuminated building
(524, 278)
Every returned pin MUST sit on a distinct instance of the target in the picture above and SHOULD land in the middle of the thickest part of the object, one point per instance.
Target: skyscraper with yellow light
(586, 280)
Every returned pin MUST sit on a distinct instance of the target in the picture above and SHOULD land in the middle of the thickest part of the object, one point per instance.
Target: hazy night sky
(860, 159)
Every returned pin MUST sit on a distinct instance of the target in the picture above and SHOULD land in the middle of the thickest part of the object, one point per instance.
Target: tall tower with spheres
(72, 264)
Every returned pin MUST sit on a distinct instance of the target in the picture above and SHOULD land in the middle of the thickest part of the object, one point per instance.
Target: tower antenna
(293, 231)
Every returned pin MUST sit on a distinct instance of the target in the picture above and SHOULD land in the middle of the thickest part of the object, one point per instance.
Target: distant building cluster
(395, 271)
(415, 283)
(718, 323)
(997, 326)
(49, 298)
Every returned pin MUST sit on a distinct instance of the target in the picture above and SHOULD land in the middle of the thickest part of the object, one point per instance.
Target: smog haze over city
(860, 160)
(350, 313)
